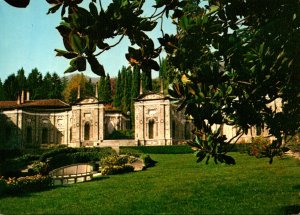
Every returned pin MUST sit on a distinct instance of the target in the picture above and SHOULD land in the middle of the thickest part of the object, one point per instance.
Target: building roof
(44, 103)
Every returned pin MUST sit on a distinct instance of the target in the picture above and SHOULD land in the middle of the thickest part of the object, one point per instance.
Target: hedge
(174, 149)
(66, 156)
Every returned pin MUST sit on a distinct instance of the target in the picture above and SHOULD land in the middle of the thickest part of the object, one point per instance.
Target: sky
(28, 38)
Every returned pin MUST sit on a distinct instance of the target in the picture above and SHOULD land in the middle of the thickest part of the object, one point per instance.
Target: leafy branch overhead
(86, 33)
(230, 60)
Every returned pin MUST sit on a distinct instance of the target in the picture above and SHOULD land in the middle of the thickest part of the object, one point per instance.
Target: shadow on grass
(22, 194)
(292, 209)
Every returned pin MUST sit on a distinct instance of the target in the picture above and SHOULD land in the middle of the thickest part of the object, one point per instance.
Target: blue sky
(28, 39)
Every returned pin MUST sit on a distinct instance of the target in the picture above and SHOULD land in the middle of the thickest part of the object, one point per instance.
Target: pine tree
(21, 80)
(34, 84)
(1, 91)
(11, 87)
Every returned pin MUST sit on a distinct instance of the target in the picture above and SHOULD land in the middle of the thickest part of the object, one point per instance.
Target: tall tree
(70, 92)
(46, 87)
(126, 100)
(136, 80)
(34, 83)
(107, 94)
(21, 78)
(1, 91)
(89, 88)
(119, 92)
(11, 87)
(55, 92)
(101, 87)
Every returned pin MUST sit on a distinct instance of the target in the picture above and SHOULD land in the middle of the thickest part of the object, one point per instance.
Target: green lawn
(176, 185)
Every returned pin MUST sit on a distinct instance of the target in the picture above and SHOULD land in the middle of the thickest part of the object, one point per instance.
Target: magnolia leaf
(79, 62)
(96, 67)
(93, 9)
(76, 43)
(18, 3)
(70, 69)
(66, 54)
(54, 8)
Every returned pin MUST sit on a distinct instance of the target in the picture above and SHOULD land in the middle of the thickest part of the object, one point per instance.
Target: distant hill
(94, 79)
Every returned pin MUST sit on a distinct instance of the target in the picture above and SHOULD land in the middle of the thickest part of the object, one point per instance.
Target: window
(87, 131)
(71, 134)
(151, 128)
(45, 135)
(29, 134)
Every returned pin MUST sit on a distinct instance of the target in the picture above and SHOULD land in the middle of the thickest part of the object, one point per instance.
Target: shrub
(174, 149)
(116, 165)
(113, 170)
(16, 186)
(39, 168)
(258, 147)
(130, 151)
(121, 135)
(66, 156)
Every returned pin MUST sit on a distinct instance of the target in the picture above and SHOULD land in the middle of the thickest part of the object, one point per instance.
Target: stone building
(30, 123)
(157, 122)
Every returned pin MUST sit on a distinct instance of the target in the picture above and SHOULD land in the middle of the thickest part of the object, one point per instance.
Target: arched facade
(157, 122)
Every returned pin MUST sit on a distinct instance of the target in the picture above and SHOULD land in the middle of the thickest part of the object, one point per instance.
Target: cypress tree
(118, 96)
(101, 88)
(107, 94)
(147, 81)
(135, 90)
(127, 91)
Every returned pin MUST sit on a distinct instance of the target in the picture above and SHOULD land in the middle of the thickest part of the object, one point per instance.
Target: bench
(72, 174)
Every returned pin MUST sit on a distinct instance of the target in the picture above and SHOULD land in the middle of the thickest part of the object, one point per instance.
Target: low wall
(117, 143)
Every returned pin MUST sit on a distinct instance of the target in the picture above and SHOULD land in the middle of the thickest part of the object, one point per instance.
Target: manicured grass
(176, 185)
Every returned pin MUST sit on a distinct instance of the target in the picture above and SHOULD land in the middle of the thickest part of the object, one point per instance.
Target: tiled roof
(45, 103)
(8, 104)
